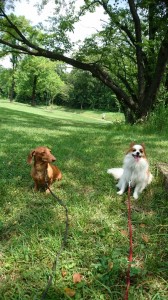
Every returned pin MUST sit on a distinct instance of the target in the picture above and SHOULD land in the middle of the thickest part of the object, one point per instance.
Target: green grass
(92, 116)
(32, 224)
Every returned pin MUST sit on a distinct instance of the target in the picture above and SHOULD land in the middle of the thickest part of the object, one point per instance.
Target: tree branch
(95, 70)
(139, 53)
(16, 29)
(161, 64)
(118, 24)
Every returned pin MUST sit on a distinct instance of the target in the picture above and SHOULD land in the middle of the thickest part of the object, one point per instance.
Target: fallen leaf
(77, 277)
(63, 273)
(145, 238)
(110, 265)
(142, 225)
(69, 292)
(124, 232)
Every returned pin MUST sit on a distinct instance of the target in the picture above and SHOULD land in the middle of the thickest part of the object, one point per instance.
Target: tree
(5, 81)
(140, 34)
(36, 77)
(14, 61)
(87, 92)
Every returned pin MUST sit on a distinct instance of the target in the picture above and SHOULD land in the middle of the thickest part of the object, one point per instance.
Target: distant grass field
(90, 116)
(32, 224)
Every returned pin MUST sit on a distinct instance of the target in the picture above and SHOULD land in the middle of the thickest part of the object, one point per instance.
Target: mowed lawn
(32, 224)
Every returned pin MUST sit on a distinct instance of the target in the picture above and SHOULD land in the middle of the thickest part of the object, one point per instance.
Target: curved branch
(118, 24)
(16, 29)
(94, 69)
(28, 47)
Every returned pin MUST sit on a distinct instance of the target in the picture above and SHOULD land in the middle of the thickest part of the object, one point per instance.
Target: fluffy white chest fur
(135, 170)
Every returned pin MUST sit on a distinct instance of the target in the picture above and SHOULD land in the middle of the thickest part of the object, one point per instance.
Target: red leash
(130, 242)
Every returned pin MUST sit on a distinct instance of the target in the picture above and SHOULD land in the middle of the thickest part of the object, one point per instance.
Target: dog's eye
(133, 150)
(141, 150)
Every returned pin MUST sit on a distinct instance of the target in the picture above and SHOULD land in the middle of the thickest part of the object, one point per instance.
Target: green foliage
(87, 92)
(158, 120)
(49, 83)
(10, 35)
(109, 50)
(5, 81)
(56, 36)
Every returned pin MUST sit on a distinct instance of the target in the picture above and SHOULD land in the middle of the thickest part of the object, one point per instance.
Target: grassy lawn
(65, 113)
(32, 224)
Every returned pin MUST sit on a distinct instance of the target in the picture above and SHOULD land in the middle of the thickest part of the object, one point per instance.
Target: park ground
(32, 224)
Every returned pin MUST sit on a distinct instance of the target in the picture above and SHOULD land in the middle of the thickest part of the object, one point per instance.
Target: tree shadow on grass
(32, 224)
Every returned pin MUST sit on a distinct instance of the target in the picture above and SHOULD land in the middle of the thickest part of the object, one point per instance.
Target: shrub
(158, 120)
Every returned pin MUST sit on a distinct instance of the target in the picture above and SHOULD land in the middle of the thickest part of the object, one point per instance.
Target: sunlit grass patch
(88, 116)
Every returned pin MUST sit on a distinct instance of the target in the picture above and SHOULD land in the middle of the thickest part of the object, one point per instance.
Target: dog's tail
(116, 172)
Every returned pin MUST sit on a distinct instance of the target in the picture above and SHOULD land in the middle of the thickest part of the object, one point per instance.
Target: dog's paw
(120, 192)
(135, 196)
(47, 191)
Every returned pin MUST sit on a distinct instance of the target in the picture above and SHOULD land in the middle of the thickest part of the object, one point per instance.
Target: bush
(158, 120)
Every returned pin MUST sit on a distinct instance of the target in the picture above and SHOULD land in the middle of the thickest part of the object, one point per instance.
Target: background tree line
(128, 55)
(37, 80)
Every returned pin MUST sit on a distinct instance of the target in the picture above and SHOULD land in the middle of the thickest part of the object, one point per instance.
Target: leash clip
(129, 183)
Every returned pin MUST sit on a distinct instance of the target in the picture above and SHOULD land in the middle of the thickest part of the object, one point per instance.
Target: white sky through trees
(89, 24)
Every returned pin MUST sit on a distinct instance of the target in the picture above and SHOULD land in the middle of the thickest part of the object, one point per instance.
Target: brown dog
(43, 171)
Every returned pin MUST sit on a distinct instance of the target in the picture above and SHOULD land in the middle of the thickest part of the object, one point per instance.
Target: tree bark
(12, 92)
(33, 103)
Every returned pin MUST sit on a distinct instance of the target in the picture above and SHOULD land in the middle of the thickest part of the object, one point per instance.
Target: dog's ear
(30, 156)
(143, 145)
(132, 144)
(130, 147)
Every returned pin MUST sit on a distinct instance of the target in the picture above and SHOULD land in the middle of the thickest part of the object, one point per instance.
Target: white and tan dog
(135, 170)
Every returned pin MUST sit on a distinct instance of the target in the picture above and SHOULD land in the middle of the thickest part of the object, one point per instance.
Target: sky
(88, 24)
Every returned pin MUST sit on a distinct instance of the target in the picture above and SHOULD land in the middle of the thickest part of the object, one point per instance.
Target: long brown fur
(42, 169)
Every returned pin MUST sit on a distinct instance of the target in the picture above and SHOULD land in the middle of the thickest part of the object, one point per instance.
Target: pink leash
(128, 281)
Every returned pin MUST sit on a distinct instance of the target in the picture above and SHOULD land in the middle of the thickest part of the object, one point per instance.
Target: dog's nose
(137, 153)
(53, 158)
